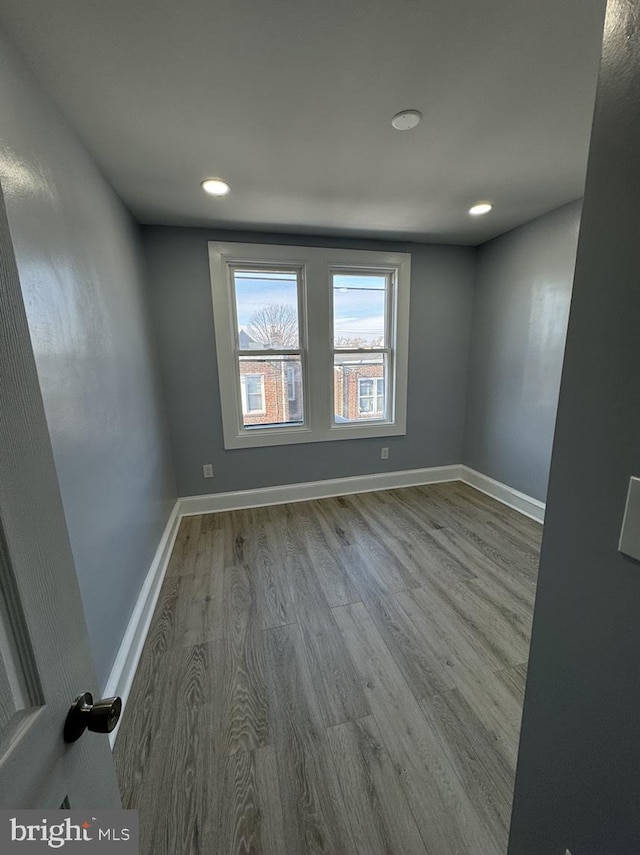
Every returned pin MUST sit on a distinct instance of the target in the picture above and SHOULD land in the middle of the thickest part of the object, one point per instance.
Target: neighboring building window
(291, 384)
(370, 396)
(311, 343)
(252, 393)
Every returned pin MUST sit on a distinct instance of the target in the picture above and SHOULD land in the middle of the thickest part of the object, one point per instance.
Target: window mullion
(320, 358)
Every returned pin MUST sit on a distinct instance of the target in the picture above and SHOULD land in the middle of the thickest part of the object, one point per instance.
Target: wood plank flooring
(343, 676)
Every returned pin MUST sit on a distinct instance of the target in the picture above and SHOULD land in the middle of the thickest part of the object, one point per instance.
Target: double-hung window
(363, 335)
(311, 342)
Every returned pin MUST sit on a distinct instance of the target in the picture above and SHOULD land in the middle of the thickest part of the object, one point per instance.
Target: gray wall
(82, 278)
(521, 306)
(578, 778)
(441, 300)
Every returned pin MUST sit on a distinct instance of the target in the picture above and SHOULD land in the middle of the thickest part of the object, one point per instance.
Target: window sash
(265, 268)
(268, 357)
(299, 352)
(389, 314)
(268, 354)
(388, 379)
(387, 351)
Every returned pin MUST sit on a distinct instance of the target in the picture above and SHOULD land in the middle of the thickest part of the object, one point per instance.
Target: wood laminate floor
(339, 676)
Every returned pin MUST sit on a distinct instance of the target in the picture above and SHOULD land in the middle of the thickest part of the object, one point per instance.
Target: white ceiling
(290, 101)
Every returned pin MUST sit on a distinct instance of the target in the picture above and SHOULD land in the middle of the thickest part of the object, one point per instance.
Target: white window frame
(316, 266)
(245, 395)
(375, 396)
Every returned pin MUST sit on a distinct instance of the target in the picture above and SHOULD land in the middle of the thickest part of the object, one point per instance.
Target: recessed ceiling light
(215, 187)
(406, 119)
(480, 208)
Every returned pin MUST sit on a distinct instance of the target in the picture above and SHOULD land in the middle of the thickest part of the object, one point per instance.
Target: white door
(45, 661)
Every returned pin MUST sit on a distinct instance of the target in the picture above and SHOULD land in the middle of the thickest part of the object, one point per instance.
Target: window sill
(257, 438)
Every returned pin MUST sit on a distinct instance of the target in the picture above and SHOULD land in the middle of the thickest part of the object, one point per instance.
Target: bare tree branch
(358, 341)
(274, 327)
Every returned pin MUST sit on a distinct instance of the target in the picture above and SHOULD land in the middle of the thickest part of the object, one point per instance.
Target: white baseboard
(126, 662)
(527, 505)
(215, 502)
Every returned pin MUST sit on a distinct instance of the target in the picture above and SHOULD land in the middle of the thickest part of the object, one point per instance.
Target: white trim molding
(126, 662)
(527, 505)
(308, 490)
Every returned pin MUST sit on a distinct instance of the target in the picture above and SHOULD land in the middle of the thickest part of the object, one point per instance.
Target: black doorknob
(100, 717)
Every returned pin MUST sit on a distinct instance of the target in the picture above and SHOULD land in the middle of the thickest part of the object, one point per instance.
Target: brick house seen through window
(358, 391)
(272, 391)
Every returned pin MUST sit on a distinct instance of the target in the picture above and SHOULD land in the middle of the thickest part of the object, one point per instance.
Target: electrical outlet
(207, 470)
(384, 454)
